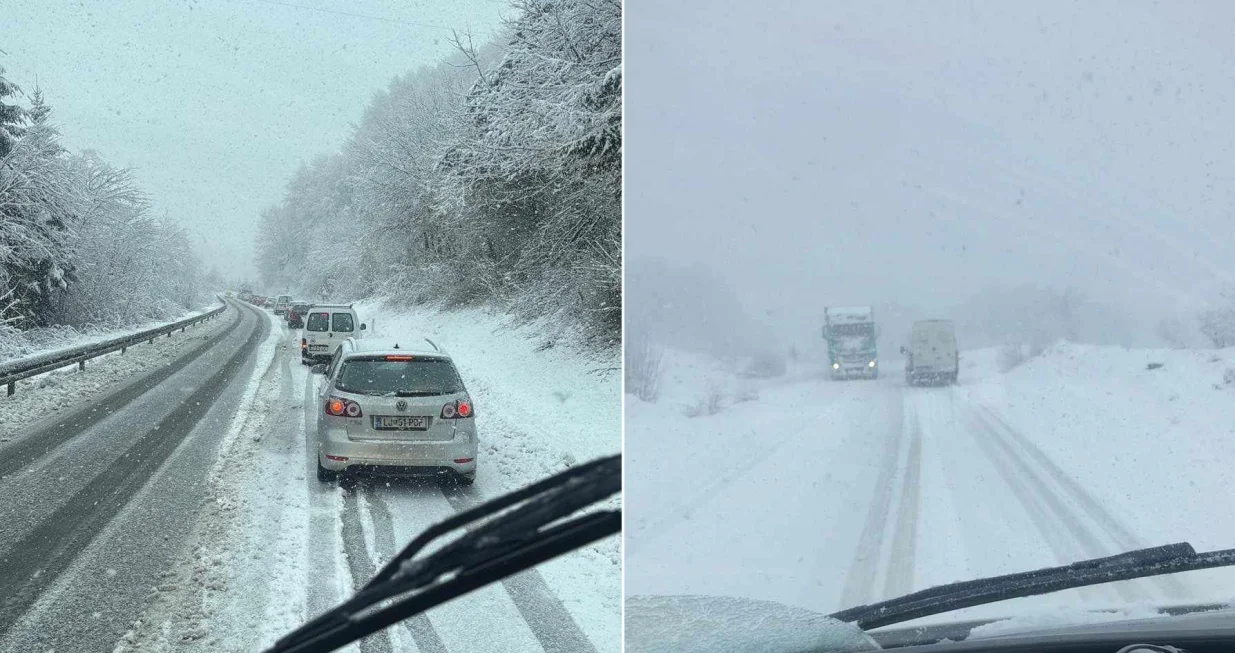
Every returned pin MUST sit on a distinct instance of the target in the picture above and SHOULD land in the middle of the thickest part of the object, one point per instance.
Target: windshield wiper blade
(534, 525)
(1153, 561)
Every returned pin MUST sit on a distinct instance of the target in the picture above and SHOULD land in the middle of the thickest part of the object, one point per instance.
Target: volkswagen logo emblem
(400, 405)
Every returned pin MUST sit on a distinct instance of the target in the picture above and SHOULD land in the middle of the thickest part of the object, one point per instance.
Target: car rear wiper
(1153, 561)
(534, 525)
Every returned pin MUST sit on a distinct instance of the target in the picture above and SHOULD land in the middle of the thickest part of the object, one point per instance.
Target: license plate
(318, 347)
(400, 423)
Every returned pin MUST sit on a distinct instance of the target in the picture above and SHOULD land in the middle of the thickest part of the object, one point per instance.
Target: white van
(326, 326)
(931, 356)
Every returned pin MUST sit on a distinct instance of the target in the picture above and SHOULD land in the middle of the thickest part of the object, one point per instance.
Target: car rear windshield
(405, 378)
(318, 322)
(343, 322)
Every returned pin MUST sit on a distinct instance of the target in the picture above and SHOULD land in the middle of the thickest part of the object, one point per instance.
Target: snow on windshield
(721, 624)
(1041, 184)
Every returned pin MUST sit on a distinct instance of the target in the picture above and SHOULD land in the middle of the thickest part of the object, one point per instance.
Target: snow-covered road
(78, 484)
(275, 546)
(826, 495)
(179, 509)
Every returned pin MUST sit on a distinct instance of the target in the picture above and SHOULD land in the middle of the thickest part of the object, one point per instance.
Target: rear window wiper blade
(503, 537)
(1153, 561)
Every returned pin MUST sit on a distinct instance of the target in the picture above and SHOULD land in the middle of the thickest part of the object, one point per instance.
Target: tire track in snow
(418, 626)
(1114, 529)
(905, 538)
(1063, 531)
(360, 564)
(45, 436)
(549, 620)
(33, 564)
(860, 582)
(324, 544)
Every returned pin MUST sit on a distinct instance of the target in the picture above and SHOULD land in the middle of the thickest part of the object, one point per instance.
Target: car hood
(718, 624)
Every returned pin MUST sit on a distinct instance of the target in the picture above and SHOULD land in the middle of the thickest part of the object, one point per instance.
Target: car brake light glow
(460, 461)
(341, 459)
(461, 409)
(334, 407)
(396, 357)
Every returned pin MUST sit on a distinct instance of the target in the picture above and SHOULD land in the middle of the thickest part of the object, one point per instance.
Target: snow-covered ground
(273, 546)
(824, 495)
(41, 341)
(64, 389)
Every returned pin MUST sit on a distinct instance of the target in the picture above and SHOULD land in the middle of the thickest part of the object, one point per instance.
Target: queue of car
(389, 405)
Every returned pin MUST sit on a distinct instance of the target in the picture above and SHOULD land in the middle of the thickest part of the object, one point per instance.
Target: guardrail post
(12, 388)
(81, 365)
(122, 349)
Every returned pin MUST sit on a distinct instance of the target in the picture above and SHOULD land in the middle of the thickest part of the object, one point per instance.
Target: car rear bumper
(408, 455)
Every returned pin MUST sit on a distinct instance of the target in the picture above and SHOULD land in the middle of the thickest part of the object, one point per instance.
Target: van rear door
(934, 347)
(317, 333)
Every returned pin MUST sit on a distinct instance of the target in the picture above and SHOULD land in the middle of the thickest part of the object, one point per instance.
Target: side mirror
(363, 326)
(320, 368)
(903, 350)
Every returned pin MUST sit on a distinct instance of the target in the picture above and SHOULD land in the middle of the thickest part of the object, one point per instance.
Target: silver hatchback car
(387, 406)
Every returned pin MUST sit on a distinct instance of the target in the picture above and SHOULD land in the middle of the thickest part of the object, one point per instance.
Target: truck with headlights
(850, 333)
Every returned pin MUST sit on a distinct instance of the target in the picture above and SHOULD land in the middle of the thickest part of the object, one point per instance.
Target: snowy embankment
(25, 344)
(824, 494)
(273, 546)
(1154, 446)
(539, 409)
(68, 387)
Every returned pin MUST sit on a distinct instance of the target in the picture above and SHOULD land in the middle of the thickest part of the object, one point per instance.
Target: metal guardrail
(13, 371)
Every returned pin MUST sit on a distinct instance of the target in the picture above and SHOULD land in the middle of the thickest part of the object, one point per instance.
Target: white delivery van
(326, 326)
(931, 356)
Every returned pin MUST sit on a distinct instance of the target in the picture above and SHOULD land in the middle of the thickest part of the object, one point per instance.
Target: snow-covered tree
(494, 177)
(12, 116)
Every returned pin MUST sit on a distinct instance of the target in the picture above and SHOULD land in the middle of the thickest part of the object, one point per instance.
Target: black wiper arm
(534, 526)
(1153, 561)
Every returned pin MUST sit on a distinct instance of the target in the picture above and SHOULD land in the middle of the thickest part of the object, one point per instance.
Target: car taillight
(342, 408)
(461, 409)
(304, 344)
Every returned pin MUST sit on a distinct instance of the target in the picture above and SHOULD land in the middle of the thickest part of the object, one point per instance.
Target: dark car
(295, 315)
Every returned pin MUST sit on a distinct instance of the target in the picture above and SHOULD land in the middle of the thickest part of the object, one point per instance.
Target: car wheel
(326, 475)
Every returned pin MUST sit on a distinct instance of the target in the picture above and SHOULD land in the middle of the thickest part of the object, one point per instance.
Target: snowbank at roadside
(539, 409)
(23, 344)
(66, 388)
(1108, 419)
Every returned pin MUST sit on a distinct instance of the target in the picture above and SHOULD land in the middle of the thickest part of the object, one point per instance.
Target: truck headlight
(871, 364)
(836, 366)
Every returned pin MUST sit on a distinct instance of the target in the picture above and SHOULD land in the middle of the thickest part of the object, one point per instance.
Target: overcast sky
(819, 153)
(216, 103)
